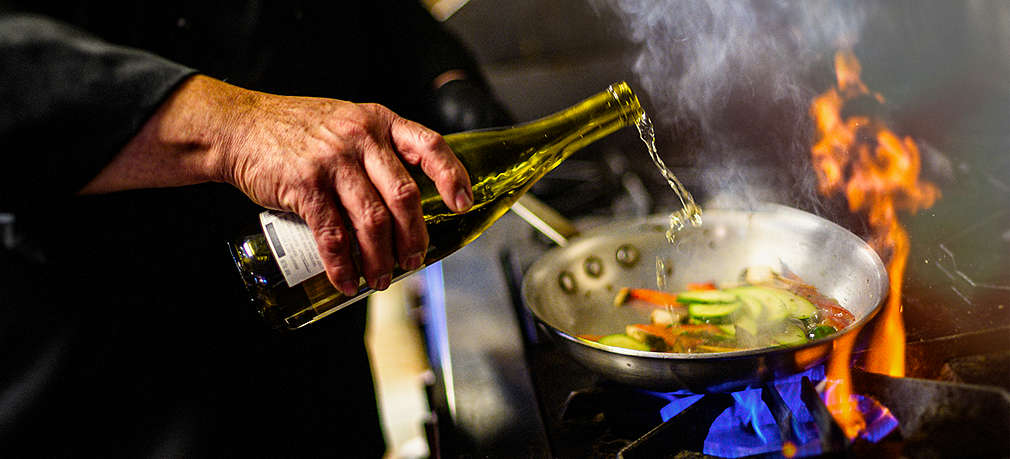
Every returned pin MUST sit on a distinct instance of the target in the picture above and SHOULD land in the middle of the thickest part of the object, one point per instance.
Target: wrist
(201, 125)
(183, 143)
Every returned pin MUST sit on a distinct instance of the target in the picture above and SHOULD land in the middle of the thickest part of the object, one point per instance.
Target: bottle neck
(600, 116)
(507, 160)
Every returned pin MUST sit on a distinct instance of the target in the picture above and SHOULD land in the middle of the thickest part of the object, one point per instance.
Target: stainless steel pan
(570, 289)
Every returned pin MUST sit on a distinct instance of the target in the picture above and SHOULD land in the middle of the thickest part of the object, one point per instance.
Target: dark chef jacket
(124, 330)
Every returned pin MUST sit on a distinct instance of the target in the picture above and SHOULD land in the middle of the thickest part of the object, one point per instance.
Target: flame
(878, 173)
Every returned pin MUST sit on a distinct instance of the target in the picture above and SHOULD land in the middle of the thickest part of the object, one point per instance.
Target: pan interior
(572, 289)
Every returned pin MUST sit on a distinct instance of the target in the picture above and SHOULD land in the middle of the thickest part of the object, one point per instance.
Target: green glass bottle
(502, 162)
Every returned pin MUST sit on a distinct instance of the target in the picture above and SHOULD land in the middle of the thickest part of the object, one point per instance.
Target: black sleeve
(425, 45)
(70, 102)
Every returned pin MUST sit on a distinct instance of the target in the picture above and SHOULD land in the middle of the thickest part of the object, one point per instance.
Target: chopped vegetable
(665, 317)
(701, 286)
(706, 296)
(657, 337)
(728, 330)
(697, 329)
(713, 313)
(769, 310)
(625, 341)
(747, 324)
(790, 335)
(821, 331)
(773, 309)
(649, 296)
(622, 296)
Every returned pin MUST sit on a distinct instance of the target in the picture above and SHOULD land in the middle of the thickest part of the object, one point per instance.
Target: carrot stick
(701, 286)
(654, 296)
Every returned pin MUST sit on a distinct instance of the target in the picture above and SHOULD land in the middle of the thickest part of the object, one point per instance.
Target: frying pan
(570, 289)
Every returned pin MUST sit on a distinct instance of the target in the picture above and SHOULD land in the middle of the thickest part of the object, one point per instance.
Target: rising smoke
(742, 75)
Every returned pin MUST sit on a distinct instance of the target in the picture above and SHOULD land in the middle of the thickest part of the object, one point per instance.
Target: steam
(741, 75)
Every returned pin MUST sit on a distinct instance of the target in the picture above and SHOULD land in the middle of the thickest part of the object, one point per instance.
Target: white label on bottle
(293, 246)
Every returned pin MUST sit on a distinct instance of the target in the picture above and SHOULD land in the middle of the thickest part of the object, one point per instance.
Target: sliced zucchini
(713, 313)
(799, 307)
(773, 309)
(728, 330)
(791, 335)
(751, 306)
(746, 324)
(706, 296)
(625, 341)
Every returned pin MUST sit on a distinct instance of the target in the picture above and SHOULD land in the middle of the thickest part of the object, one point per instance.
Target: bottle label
(293, 246)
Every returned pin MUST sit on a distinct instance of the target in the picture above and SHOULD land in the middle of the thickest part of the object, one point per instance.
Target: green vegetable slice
(747, 325)
(625, 341)
(791, 335)
(773, 309)
(706, 296)
(821, 331)
(713, 313)
(799, 307)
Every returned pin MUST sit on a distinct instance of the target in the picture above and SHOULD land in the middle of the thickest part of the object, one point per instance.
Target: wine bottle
(502, 162)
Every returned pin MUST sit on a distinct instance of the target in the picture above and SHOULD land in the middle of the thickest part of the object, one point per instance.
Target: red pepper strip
(701, 286)
(832, 312)
(836, 316)
(589, 337)
(654, 296)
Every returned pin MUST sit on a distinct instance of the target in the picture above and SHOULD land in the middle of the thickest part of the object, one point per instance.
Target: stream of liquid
(689, 211)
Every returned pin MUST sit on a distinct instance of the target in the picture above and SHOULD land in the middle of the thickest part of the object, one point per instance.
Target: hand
(337, 164)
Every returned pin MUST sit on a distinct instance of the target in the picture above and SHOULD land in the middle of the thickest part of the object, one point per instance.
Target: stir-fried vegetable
(766, 309)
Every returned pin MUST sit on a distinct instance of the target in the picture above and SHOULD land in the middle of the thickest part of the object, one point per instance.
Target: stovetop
(957, 388)
(503, 389)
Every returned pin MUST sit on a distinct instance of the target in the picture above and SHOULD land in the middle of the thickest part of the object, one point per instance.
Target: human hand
(339, 166)
(336, 164)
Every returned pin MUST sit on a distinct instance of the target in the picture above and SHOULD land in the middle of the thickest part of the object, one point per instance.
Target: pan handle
(545, 219)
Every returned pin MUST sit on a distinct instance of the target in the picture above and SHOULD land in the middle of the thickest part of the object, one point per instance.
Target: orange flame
(878, 173)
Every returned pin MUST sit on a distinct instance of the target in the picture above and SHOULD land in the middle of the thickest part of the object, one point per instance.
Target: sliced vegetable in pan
(765, 309)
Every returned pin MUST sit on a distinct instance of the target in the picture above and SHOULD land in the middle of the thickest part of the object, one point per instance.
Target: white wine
(689, 211)
(502, 162)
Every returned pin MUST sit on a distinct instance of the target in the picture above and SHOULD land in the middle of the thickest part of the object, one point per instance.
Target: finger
(422, 146)
(403, 199)
(334, 241)
(370, 219)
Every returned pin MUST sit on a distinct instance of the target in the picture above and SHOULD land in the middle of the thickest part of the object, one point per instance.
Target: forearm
(182, 143)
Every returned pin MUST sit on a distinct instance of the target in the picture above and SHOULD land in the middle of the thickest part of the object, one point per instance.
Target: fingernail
(413, 262)
(463, 200)
(383, 282)
(349, 287)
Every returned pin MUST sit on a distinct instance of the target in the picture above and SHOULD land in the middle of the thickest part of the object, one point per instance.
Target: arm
(69, 103)
(114, 126)
(334, 163)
